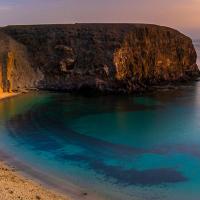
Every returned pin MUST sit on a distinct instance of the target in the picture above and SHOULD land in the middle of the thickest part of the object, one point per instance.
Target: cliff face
(106, 57)
(16, 71)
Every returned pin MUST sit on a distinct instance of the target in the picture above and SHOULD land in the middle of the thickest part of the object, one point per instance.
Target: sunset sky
(180, 14)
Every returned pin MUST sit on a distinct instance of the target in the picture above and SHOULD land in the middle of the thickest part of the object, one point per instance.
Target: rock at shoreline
(98, 57)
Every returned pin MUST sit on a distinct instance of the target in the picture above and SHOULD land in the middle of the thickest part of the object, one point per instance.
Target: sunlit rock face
(16, 72)
(102, 57)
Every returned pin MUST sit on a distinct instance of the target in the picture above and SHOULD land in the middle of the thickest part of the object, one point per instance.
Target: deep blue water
(115, 147)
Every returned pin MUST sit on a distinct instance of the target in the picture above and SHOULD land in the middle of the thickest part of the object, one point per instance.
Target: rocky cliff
(16, 71)
(103, 57)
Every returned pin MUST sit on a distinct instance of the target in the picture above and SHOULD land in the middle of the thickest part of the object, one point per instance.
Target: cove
(113, 147)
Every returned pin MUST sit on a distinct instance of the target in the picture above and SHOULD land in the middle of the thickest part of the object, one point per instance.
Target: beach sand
(13, 186)
(7, 95)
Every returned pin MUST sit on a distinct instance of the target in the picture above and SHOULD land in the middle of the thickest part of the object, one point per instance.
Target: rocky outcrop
(103, 57)
(16, 71)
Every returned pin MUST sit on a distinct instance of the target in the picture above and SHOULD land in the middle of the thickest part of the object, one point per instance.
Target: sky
(183, 15)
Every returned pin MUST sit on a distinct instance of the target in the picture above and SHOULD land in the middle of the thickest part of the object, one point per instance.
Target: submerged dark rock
(121, 58)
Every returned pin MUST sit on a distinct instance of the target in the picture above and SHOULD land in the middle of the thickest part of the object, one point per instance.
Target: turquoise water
(114, 147)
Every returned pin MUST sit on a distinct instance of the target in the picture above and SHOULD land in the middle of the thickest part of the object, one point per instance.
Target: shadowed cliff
(102, 57)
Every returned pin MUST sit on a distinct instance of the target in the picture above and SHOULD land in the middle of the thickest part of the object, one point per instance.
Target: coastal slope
(120, 58)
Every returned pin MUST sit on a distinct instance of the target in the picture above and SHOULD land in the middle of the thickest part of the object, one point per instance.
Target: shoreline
(7, 95)
(13, 185)
(47, 186)
(18, 185)
(22, 181)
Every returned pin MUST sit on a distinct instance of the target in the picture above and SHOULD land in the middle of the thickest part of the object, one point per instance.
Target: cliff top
(91, 26)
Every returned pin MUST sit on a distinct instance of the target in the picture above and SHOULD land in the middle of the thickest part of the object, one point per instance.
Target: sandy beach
(7, 95)
(14, 186)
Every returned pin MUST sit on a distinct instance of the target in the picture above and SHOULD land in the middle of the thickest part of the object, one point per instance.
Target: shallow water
(116, 147)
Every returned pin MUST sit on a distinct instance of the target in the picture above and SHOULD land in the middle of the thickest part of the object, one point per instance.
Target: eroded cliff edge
(103, 57)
